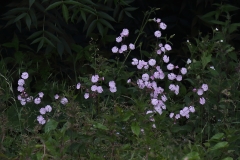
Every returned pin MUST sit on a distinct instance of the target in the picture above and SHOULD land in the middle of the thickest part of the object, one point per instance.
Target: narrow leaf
(135, 128)
(34, 35)
(105, 16)
(20, 17)
(106, 23)
(100, 28)
(31, 3)
(65, 12)
(54, 5)
(91, 27)
(40, 44)
(28, 21)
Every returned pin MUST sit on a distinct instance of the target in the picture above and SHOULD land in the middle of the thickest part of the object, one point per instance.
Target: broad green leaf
(228, 8)
(126, 116)
(217, 136)
(105, 16)
(40, 44)
(66, 126)
(207, 15)
(192, 156)
(91, 27)
(219, 145)
(28, 21)
(100, 28)
(228, 158)
(106, 23)
(205, 60)
(50, 125)
(36, 34)
(233, 27)
(54, 5)
(217, 22)
(100, 126)
(20, 17)
(31, 3)
(65, 12)
(135, 128)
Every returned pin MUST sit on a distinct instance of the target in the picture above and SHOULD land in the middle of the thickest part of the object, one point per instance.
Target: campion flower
(64, 101)
(21, 82)
(179, 77)
(94, 78)
(119, 39)
(172, 87)
(99, 89)
(158, 109)
(113, 89)
(129, 81)
(112, 84)
(37, 100)
(177, 116)
(23, 102)
(191, 109)
(78, 86)
(152, 62)
(205, 87)
(184, 112)
(125, 33)
(163, 49)
(124, 47)
(165, 58)
(41, 120)
(20, 88)
(170, 66)
(176, 91)
(114, 49)
(24, 75)
(171, 115)
(189, 61)
(48, 108)
(86, 95)
(171, 76)
(202, 101)
(157, 34)
(154, 101)
(160, 45)
(159, 51)
(56, 96)
(145, 77)
(131, 46)
(42, 111)
(29, 99)
(164, 98)
(183, 70)
(40, 94)
(94, 88)
(158, 20)
(120, 51)
(200, 92)
(163, 26)
(167, 47)
(212, 67)
(134, 61)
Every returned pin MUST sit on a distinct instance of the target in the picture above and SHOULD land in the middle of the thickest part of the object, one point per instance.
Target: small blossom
(171, 76)
(21, 82)
(120, 51)
(179, 77)
(200, 92)
(99, 89)
(202, 101)
(42, 111)
(20, 88)
(86, 95)
(41, 94)
(170, 66)
(112, 84)
(125, 33)
(64, 100)
(165, 58)
(113, 89)
(177, 116)
(134, 61)
(163, 26)
(171, 115)
(157, 34)
(145, 77)
(152, 62)
(212, 67)
(183, 70)
(167, 47)
(48, 108)
(94, 78)
(131, 46)
(78, 86)
(41, 120)
(23, 102)
(119, 39)
(24, 75)
(158, 20)
(192, 109)
(124, 47)
(94, 88)
(205, 87)
(154, 101)
(159, 51)
(56, 96)
(129, 81)
(37, 100)
(189, 61)
(114, 49)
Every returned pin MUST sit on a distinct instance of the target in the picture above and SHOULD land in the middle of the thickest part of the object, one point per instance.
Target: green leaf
(33, 17)
(128, 14)
(217, 136)
(219, 145)
(60, 48)
(233, 27)
(83, 16)
(65, 12)
(106, 23)
(130, 9)
(91, 27)
(54, 5)
(52, 36)
(49, 42)
(100, 28)
(205, 60)
(50, 125)
(31, 3)
(20, 17)
(207, 15)
(40, 44)
(120, 15)
(135, 128)
(192, 156)
(217, 22)
(105, 16)
(28, 21)
(36, 40)
(100, 126)
(36, 34)
(126, 116)
(228, 158)
(228, 8)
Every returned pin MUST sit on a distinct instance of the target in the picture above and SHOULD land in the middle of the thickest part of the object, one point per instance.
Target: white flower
(64, 100)
(24, 75)
(145, 77)
(21, 82)
(189, 61)
(48, 108)
(163, 26)
(114, 49)
(42, 111)
(152, 62)
(78, 86)
(86, 95)
(157, 34)
(131, 46)
(168, 47)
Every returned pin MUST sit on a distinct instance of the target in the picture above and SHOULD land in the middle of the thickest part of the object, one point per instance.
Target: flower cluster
(40, 118)
(123, 47)
(200, 92)
(23, 97)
